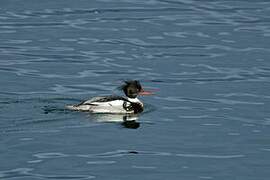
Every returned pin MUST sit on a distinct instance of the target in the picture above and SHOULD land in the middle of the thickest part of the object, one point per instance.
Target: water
(208, 61)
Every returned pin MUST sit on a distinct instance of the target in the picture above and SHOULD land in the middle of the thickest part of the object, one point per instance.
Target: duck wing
(105, 104)
(103, 99)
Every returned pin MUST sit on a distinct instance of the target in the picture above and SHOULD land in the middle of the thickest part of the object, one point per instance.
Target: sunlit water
(207, 60)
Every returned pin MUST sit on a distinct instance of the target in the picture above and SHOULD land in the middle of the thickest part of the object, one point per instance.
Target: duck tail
(72, 107)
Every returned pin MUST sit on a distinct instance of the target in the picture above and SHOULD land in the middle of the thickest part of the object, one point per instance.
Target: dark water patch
(131, 124)
(10, 102)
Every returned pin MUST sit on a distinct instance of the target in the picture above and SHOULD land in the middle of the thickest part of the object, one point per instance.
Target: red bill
(146, 92)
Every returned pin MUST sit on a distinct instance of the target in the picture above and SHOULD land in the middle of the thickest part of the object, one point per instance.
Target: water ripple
(211, 156)
(144, 167)
(143, 44)
(31, 25)
(219, 101)
(96, 11)
(27, 172)
(210, 60)
(120, 153)
(100, 162)
(212, 74)
(50, 155)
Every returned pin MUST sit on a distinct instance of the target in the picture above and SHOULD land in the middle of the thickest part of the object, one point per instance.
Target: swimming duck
(130, 104)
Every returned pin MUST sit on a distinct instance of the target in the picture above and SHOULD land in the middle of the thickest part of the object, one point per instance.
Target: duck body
(110, 104)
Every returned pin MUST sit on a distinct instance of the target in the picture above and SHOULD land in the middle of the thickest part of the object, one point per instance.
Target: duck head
(133, 88)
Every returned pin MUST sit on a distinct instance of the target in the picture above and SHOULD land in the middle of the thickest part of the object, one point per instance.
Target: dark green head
(132, 88)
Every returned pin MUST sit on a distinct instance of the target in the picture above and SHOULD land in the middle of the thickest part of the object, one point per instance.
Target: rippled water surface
(208, 62)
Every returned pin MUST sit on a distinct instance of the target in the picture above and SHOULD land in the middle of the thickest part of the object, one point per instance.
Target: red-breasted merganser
(116, 104)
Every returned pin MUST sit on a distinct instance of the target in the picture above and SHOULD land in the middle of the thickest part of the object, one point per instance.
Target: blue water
(208, 62)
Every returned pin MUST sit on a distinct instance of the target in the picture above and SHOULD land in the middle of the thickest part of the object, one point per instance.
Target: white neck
(135, 100)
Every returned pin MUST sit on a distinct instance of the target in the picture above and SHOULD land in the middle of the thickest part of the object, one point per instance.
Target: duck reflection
(126, 120)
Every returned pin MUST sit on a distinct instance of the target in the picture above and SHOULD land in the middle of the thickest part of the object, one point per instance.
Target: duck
(114, 104)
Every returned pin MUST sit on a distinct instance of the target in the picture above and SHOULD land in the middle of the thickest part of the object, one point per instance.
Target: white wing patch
(114, 103)
(115, 106)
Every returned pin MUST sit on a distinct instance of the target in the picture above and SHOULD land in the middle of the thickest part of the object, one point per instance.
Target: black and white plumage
(116, 104)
